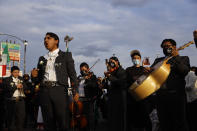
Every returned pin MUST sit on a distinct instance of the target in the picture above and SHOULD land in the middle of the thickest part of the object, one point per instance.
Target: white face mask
(136, 61)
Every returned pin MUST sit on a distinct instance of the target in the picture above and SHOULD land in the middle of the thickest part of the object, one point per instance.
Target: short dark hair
(84, 64)
(135, 52)
(173, 42)
(26, 76)
(15, 68)
(53, 35)
(193, 68)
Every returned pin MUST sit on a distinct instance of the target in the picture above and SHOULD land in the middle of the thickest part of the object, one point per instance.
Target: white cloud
(129, 2)
(100, 27)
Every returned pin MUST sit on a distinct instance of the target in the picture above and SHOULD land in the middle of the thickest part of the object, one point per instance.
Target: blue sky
(101, 27)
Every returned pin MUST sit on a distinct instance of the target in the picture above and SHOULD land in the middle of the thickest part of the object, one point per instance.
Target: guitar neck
(186, 45)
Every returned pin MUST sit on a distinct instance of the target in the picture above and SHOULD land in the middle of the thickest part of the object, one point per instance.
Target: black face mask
(167, 51)
(112, 64)
(83, 73)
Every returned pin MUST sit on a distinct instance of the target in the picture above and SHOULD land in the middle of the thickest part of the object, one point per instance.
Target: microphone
(195, 37)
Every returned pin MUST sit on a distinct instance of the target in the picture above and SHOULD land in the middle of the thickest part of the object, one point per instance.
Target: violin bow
(94, 64)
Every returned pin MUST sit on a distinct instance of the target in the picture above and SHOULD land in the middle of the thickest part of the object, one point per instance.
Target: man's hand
(107, 74)
(86, 77)
(19, 86)
(147, 69)
(175, 52)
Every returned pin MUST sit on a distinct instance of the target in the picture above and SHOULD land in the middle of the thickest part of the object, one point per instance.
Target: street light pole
(25, 50)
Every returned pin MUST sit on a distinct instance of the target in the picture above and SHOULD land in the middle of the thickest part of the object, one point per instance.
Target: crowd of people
(54, 98)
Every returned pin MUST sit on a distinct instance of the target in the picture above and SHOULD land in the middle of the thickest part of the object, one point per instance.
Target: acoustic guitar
(146, 85)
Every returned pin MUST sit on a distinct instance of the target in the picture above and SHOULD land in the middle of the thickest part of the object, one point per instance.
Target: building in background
(9, 56)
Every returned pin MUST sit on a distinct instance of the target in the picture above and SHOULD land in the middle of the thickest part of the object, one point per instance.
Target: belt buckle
(17, 99)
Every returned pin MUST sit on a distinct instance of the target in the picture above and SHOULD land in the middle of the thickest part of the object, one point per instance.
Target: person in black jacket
(52, 74)
(171, 96)
(14, 95)
(2, 106)
(88, 91)
(116, 76)
(137, 111)
(29, 105)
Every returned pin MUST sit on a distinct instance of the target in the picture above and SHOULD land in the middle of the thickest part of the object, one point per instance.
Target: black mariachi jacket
(133, 73)
(91, 86)
(9, 87)
(180, 66)
(118, 79)
(64, 67)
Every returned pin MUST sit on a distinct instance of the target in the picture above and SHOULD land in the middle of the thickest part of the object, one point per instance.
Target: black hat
(135, 52)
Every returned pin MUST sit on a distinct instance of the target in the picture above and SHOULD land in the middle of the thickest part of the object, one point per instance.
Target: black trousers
(2, 114)
(88, 110)
(191, 115)
(15, 115)
(138, 118)
(29, 108)
(171, 109)
(117, 110)
(54, 106)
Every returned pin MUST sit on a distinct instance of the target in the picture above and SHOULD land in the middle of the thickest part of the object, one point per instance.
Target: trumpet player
(14, 96)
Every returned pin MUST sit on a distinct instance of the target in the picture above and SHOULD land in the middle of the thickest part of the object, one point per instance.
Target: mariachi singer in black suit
(52, 74)
(171, 98)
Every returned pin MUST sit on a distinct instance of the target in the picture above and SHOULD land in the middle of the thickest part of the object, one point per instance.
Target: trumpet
(20, 90)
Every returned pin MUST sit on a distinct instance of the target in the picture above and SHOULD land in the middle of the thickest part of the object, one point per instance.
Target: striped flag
(5, 51)
(5, 58)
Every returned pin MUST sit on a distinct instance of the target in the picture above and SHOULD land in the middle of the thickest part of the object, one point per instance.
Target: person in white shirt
(52, 74)
(191, 90)
(14, 94)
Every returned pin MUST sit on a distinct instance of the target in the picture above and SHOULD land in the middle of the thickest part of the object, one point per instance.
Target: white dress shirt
(50, 74)
(17, 92)
(81, 88)
(190, 87)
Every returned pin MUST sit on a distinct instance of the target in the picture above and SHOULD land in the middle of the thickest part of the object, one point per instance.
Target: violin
(88, 75)
(111, 67)
(99, 82)
(78, 120)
